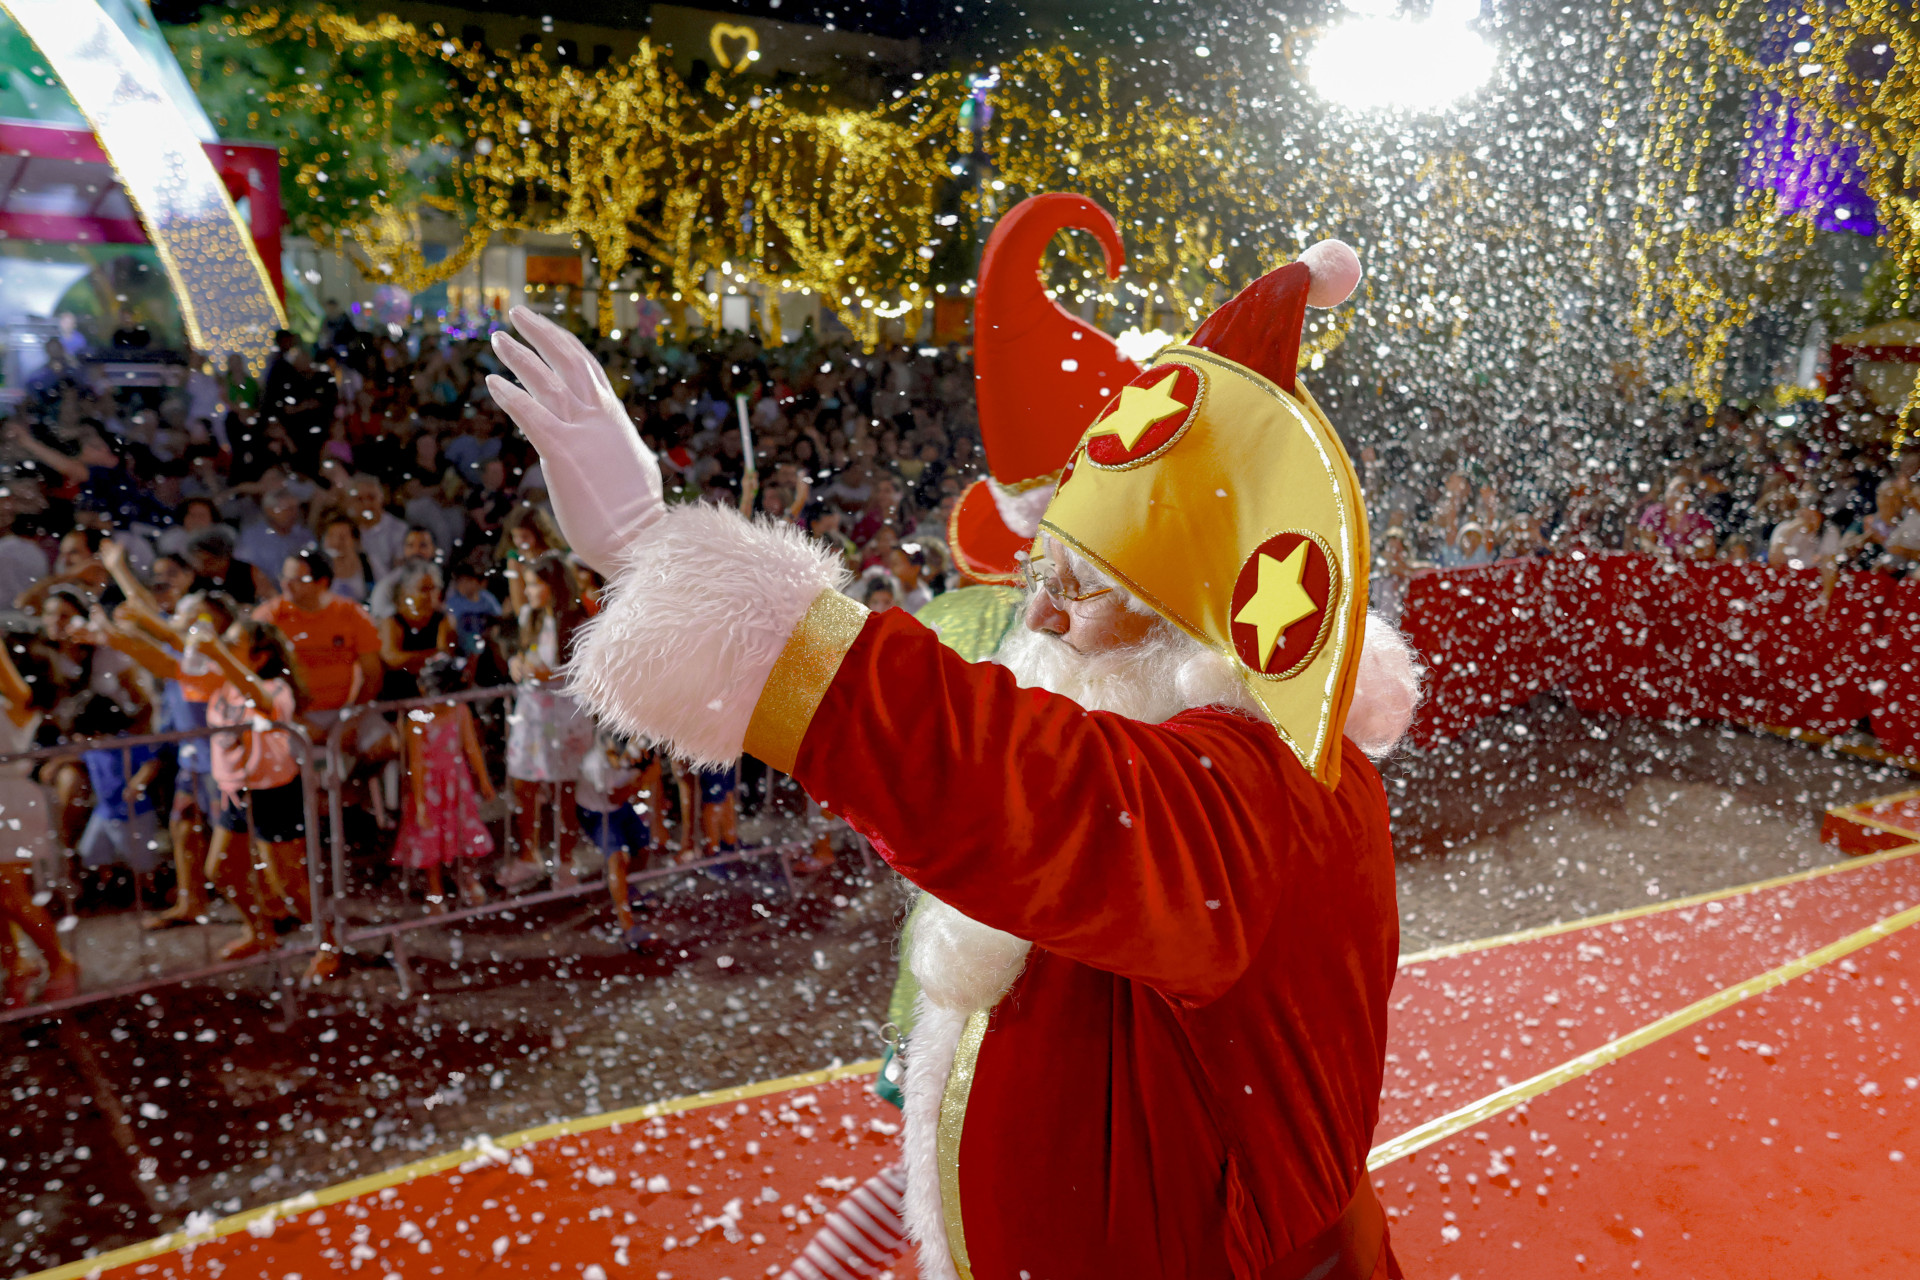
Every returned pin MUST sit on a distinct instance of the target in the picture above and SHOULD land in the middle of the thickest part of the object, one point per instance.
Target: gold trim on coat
(953, 1118)
(800, 676)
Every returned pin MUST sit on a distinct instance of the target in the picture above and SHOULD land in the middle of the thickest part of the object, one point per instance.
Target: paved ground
(1546, 814)
(124, 1119)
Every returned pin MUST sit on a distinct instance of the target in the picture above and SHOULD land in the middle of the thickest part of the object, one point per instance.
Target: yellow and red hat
(1213, 488)
(1039, 375)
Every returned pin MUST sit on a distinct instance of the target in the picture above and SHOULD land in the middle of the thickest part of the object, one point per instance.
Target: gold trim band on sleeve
(800, 677)
(953, 1119)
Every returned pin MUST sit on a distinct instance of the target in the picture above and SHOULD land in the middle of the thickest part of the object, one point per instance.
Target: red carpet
(1779, 1138)
(1748, 1104)
(1463, 1023)
(1766, 1139)
(717, 1186)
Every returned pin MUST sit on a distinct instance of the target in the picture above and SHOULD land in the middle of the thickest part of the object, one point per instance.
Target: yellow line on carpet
(1493, 1104)
(436, 1164)
(1876, 801)
(1852, 812)
(1654, 908)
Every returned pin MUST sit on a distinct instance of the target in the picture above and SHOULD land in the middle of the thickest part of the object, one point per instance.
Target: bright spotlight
(1380, 63)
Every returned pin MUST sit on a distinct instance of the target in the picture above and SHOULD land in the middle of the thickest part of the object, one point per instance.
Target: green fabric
(905, 989)
(883, 1082)
(972, 622)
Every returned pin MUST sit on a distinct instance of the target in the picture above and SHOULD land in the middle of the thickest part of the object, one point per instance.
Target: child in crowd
(618, 798)
(184, 699)
(26, 834)
(123, 828)
(446, 776)
(710, 817)
(592, 585)
(150, 640)
(907, 565)
(338, 446)
(470, 605)
(528, 536)
(547, 734)
(258, 780)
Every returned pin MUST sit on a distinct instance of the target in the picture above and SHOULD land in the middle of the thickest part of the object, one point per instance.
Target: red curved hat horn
(1260, 327)
(1040, 374)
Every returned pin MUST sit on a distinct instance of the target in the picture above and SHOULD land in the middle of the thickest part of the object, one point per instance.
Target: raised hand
(604, 483)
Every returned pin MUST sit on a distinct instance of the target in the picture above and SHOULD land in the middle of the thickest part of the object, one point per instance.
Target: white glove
(603, 481)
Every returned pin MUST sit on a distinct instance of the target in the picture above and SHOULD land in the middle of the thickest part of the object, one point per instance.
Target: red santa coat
(1184, 1081)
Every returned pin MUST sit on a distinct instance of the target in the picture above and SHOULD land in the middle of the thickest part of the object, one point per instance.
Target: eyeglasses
(1041, 575)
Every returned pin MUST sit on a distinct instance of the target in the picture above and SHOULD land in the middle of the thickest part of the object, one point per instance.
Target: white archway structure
(226, 297)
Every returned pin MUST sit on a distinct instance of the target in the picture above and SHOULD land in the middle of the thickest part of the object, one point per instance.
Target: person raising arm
(25, 832)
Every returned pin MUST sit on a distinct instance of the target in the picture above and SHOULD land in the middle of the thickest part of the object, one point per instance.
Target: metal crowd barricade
(391, 933)
(327, 882)
(125, 744)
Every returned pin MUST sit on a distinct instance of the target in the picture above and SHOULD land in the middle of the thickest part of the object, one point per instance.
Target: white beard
(1154, 680)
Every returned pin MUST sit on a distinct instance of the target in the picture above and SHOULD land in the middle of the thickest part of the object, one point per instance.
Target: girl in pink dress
(447, 775)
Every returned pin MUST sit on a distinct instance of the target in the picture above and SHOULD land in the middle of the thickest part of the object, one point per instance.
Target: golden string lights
(1821, 108)
(783, 189)
(1475, 237)
(1652, 163)
(789, 188)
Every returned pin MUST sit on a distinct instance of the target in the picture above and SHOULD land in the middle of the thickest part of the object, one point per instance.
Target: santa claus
(1154, 989)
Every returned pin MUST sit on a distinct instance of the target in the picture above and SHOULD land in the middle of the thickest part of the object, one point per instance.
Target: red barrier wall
(1629, 635)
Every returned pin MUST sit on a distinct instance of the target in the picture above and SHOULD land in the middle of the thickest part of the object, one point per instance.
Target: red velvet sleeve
(1157, 852)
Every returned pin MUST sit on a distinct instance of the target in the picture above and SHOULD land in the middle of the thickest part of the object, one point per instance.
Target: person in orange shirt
(336, 651)
(336, 647)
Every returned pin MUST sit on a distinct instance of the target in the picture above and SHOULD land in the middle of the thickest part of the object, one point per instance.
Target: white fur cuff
(692, 621)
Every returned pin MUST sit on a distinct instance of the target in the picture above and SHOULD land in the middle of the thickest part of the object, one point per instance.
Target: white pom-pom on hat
(1336, 272)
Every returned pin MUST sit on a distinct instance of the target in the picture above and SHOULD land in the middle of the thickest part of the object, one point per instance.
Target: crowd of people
(1741, 492)
(355, 525)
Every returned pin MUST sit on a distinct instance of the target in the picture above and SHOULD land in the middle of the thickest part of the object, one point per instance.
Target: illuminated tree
(1821, 110)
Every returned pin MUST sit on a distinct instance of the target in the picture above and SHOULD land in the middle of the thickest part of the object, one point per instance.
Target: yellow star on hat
(1279, 601)
(1141, 409)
